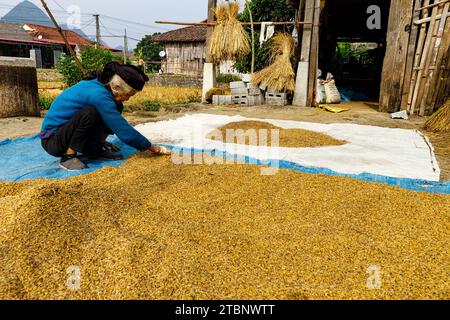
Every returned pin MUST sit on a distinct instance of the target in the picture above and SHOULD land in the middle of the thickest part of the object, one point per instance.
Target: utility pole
(97, 34)
(125, 47)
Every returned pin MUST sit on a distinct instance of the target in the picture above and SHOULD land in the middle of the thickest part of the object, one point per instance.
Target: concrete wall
(18, 87)
(175, 81)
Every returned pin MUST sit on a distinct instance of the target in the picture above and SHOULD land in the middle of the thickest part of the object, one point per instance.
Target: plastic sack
(332, 92)
(321, 96)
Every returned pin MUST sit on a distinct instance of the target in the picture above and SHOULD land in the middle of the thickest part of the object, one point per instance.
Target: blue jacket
(92, 93)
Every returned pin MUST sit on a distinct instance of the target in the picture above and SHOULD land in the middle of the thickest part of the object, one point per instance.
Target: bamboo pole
(72, 52)
(429, 47)
(426, 20)
(212, 24)
(417, 92)
(417, 60)
(410, 56)
(438, 3)
(435, 60)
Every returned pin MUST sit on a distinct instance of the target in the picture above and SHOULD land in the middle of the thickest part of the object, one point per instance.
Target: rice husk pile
(229, 40)
(289, 138)
(440, 121)
(280, 75)
(155, 230)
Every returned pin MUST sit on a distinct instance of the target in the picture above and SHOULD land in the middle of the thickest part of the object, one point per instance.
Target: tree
(264, 10)
(150, 51)
(93, 60)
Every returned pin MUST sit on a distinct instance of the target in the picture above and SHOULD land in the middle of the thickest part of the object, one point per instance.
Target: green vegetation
(93, 60)
(227, 78)
(355, 53)
(149, 52)
(45, 101)
(151, 106)
(264, 10)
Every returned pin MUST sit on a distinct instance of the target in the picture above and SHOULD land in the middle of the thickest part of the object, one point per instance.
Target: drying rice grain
(155, 230)
(289, 138)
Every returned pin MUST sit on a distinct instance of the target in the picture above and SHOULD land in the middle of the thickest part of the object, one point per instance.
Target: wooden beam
(393, 75)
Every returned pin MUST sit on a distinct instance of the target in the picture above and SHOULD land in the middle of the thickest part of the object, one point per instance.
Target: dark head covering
(132, 75)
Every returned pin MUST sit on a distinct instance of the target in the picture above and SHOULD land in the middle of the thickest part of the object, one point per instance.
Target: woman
(82, 117)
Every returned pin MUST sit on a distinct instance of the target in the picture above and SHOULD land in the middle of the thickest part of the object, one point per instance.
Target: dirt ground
(360, 113)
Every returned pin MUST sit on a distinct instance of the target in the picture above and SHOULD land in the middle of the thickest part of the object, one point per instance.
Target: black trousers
(82, 133)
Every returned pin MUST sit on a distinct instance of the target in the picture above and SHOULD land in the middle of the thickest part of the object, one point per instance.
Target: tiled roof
(52, 35)
(14, 32)
(189, 34)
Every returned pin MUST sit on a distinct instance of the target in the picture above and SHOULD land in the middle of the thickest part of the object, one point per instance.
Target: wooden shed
(185, 50)
(411, 63)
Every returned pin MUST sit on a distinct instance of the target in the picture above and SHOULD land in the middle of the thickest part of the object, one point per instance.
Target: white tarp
(389, 152)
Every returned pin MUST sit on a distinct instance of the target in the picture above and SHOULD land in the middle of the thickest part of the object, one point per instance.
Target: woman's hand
(162, 151)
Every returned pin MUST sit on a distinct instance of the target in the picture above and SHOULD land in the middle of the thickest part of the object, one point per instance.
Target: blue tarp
(348, 94)
(24, 159)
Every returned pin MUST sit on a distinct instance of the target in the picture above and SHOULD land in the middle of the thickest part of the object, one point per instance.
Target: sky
(141, 13)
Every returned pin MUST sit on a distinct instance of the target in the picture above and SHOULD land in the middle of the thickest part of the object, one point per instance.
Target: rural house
(185, 51)
(43, 44)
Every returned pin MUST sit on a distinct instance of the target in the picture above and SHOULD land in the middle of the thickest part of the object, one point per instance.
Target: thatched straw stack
(440, 121)
(229, 41)
(279, 75)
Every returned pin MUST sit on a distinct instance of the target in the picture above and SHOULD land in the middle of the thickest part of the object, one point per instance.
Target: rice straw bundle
(440, 121)
(229, 40)
(279, 75)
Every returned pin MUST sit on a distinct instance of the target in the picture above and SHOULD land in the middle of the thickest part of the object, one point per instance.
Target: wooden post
(301, 86)
(393, 76)
(209, 68)
(314, 57)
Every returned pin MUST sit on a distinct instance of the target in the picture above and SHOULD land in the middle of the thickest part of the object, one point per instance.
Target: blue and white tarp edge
(404, 183)
(47, 166)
